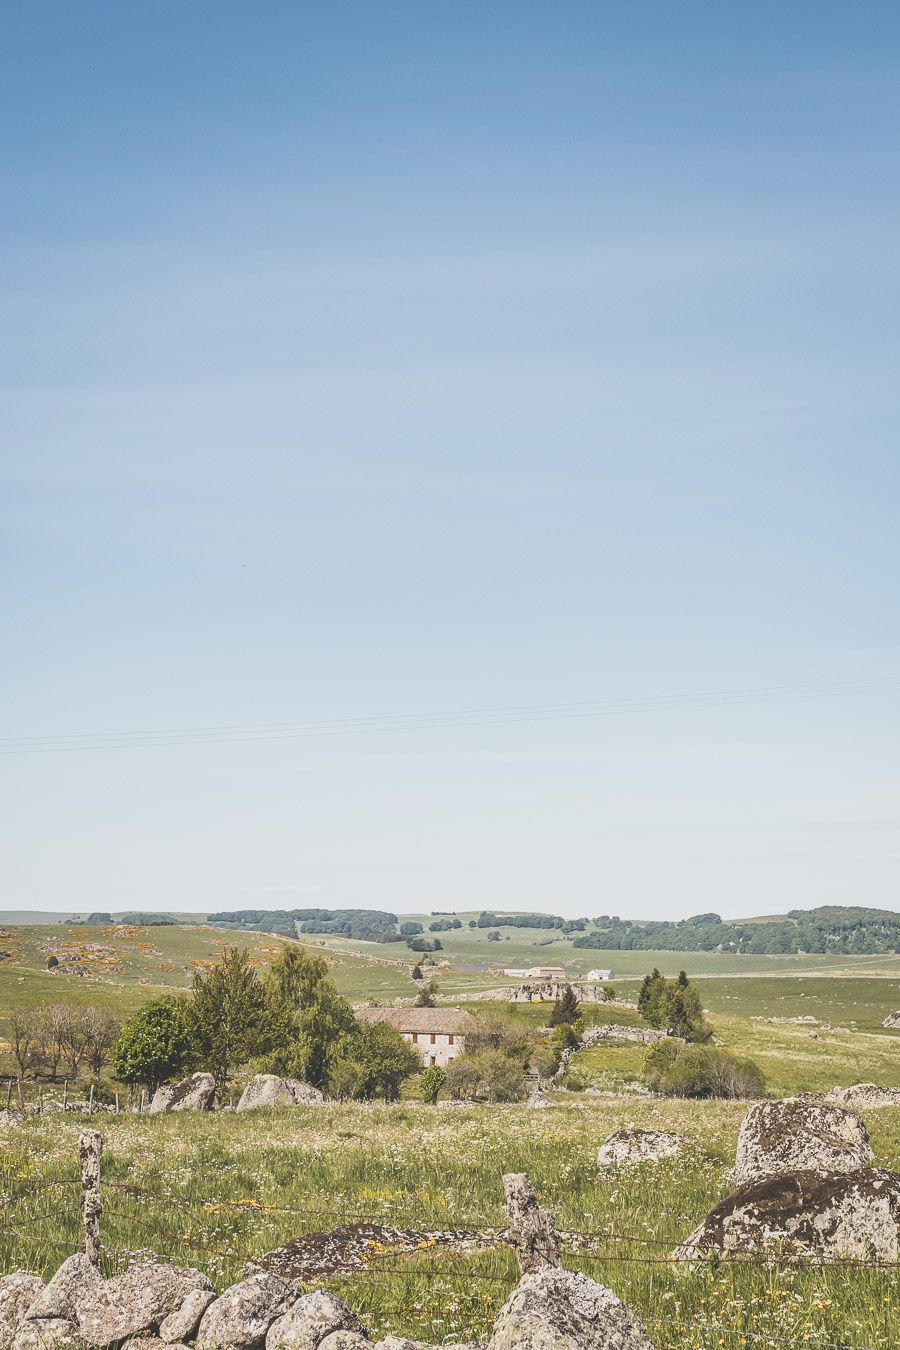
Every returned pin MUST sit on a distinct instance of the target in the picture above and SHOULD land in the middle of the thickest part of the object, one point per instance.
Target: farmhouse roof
(447, 1021)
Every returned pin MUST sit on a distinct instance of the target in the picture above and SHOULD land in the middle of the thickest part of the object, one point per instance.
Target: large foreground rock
(632, 1145)
(138, 1300)
(796, 1135)
(74, 1279)
(554, 1309)
(47, 1333)
(310, 1320)
(241, 1317)
(865, 1096)
(893, 1020)
(17, 1293)
(196, 1093)
(827, 1215)
(267, 1089)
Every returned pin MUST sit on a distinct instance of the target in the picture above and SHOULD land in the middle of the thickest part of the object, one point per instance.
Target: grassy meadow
(218, 1190)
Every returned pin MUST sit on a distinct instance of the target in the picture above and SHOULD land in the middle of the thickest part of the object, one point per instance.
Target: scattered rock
(244, 1313)
(892, 1021)
(267, 1089)
(866, 1095)
(311, 1319)
(797, 1134)
(351, 1246)
(47, 1333)
(136, 1301)
(75, 1278)
(828, 1215)
(183, 1323)
(147, 1343)
(554, 1309)
(11, 1117)
(191, 1094)
(17, 1293)
(632, 1145)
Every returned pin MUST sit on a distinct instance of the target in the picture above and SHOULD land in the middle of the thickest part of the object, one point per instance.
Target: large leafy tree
(154, 1045)
(227, 1016)
(374, 1062)
(308, 1019)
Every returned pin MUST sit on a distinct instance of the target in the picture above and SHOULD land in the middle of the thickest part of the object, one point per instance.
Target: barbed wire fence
(45, 1219)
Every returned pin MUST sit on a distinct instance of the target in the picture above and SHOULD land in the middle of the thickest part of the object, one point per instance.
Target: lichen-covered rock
(345, 1340)
(267, 1089)
(196, 1093)
(797, 1134)
(828, 1215)
(135, 1301)
(310, 1320)
(47, 1333)
(865, 1095)
(75, 1277)
(147, 1342)
(554, 1309)
(244, 1313)
(17, 1293)
(182, 1324)
(632, 1145)
(8, 1117)
(892, 1020)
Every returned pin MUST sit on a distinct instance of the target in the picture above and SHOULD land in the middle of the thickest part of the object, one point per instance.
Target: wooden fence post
(90, 1146)
(8, 1093)
(66, 1095)
(91, 1101)
(19, 1086)
(531, 1231)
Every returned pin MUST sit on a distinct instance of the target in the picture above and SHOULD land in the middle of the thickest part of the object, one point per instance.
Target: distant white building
(515, 974)
(439, 1034)
(546, 973)
(600, 975)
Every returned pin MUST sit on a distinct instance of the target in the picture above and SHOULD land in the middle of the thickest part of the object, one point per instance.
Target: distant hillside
(843, 930)
(831, 929)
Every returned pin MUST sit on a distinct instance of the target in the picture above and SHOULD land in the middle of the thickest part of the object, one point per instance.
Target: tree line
(61, 1039)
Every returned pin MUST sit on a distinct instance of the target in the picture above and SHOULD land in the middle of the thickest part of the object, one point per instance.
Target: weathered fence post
(19, 1086)
(117, 1103)
(143, 1095)
(90, 1146)
(41, 1100)
(91, 1101)
(531, 1231)
(66, 1095)
(8, 1093)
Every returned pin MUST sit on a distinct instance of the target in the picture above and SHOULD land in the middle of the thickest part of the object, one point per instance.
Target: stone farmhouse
(439, 1034)
(601, 974)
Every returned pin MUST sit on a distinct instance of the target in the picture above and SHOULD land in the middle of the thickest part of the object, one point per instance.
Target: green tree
(308, 1019)
(374, 1061)
(154, 1045)
(431, 1081)
(678, 1070)
(228, 1016)
(425, 996)
(565, 1009)
(490, 1073)
(674, 1005)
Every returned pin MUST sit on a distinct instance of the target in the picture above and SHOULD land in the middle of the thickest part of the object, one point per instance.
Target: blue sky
(368, 361)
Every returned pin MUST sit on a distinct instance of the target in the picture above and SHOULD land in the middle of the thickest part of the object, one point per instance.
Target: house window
(450, 1038)
(413, 1038)
(433, 1038)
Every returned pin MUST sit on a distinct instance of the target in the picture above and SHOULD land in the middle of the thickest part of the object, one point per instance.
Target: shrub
(154, 1044)
(431, 1081)
(678, 1070)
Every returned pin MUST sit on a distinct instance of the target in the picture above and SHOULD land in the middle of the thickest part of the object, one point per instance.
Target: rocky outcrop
(892, 1021)
(632, 1145)
(797, 1134)
(310, 1320)
(611, 1034)
(136, 1301)
(554, 1309)
(17, 1293)
(75, 1278)
(240, 1318)
(267, 1089)
(196, 1093)
(826, 1215)
(865, 1095)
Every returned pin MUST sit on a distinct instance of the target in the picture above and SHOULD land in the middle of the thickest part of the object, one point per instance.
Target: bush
(490, 1073)
(154, 1044)
(431, 1081)
(678, 1070)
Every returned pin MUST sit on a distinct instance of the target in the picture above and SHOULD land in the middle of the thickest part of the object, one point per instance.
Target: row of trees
(290, 1021)
(62, 1038)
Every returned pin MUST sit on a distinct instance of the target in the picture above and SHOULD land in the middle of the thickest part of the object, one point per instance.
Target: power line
(221, 734)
